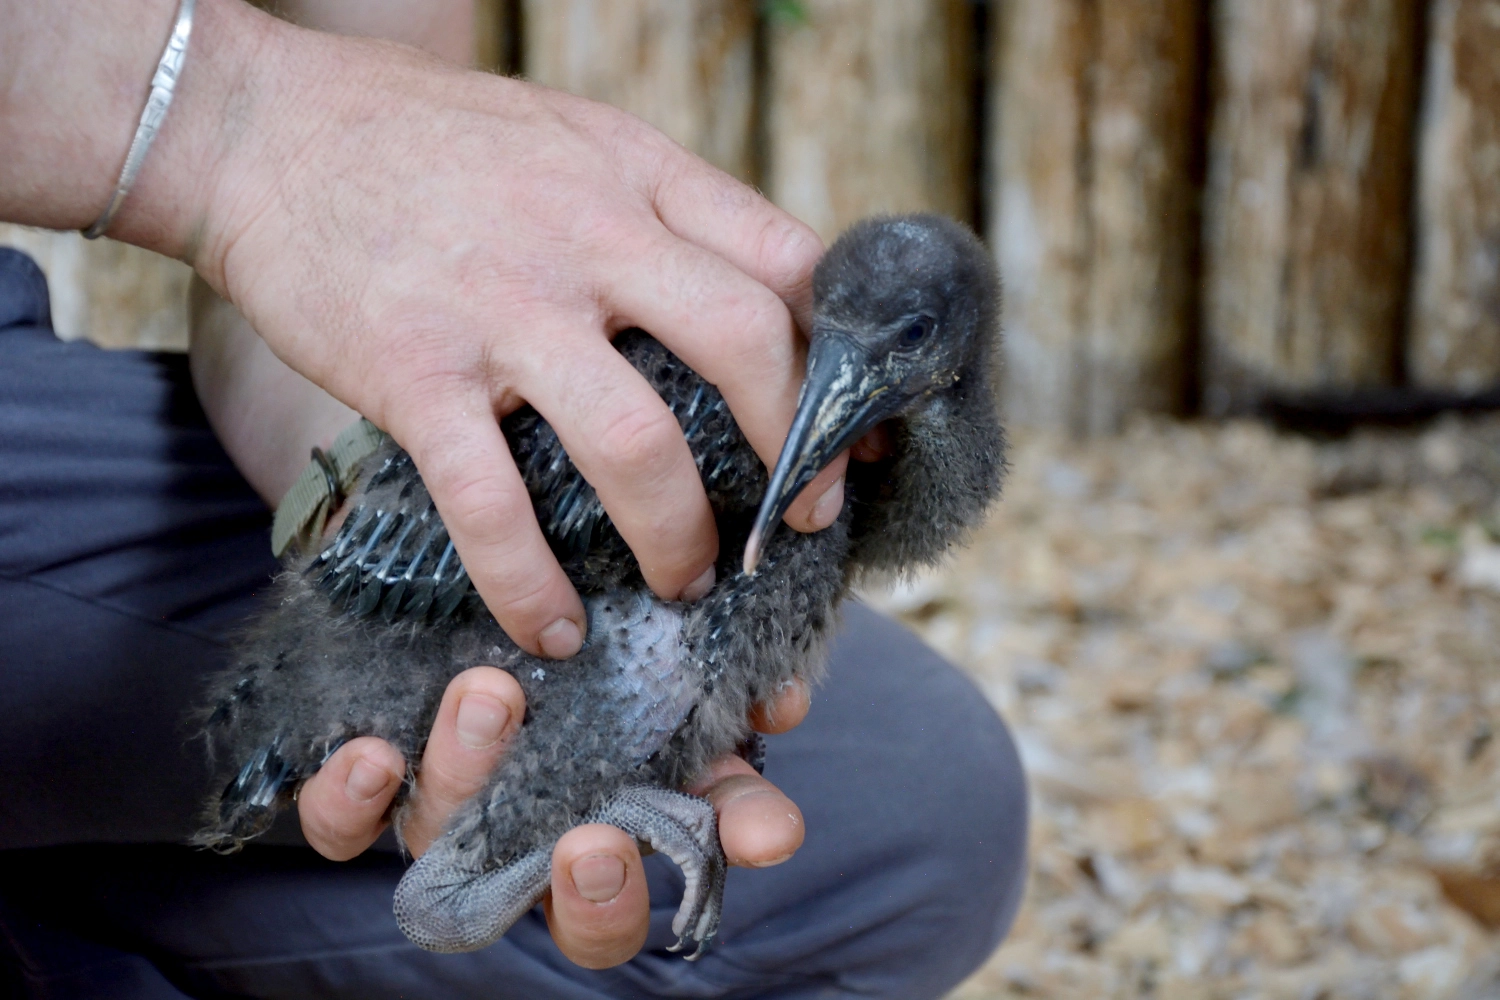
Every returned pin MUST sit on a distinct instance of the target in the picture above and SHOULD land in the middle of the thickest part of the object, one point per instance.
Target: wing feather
(392, 556)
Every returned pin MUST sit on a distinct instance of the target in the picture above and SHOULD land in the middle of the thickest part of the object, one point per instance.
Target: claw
(683, 828)
(444, 903)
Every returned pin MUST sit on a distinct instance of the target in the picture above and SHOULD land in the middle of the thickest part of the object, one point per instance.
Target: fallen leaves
(1254, 678)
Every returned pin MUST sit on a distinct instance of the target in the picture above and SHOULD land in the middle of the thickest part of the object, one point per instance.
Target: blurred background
(1254, 671)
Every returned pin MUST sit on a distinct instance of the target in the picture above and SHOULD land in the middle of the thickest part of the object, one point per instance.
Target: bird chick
(362, 636)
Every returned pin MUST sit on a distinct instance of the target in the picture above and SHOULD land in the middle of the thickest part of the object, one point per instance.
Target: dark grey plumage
(363, 637)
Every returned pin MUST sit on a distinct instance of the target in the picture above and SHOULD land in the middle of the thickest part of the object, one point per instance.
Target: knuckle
(479, 506)
(766, 350)
(445, 780)
(651, 160)
(444, 786)
(788, 249)
(764, 316)
(521, 600)
(607, 231)
(644, 439)
(419, 377)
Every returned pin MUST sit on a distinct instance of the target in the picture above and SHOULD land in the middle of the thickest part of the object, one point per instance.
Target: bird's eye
(917, 332)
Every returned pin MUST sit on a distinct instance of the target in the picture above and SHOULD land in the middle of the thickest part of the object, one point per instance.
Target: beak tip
(752, 552)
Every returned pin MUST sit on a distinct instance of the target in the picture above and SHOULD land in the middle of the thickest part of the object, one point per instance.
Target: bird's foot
(446, 903)
(442, 904)
(682, 827)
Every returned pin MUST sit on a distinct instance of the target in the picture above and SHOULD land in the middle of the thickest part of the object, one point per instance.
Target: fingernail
(561, 639)
(826, 510)
(699, 587)
(772, 863)
(481, 720)
(365, 781)
(599, 877)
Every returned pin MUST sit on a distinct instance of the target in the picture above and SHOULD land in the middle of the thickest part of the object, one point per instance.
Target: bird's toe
(684, 828)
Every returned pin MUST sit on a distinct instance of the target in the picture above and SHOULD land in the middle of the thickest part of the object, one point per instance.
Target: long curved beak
(842, 397)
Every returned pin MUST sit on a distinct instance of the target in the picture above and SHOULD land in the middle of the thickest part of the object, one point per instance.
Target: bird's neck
(912, 507)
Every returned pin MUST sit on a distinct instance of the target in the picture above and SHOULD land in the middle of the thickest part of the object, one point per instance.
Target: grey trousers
(129, 550)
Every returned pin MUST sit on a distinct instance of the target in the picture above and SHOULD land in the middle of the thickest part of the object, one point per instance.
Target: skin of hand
(267, 416)
(434, 247)
(512, 231)
(597, 908)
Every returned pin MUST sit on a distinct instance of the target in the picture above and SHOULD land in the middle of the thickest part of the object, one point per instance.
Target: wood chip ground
(1256, 682)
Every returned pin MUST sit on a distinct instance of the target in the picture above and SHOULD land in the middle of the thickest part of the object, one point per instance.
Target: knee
(947, 805)
(967, 848)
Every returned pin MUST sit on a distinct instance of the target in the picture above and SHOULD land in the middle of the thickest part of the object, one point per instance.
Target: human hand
(436, 247)
(597, 909)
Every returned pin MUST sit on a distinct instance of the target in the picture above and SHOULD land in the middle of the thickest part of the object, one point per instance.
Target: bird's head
(905, 323)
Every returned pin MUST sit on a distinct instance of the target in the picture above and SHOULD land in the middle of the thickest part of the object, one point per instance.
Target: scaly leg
(443, 905)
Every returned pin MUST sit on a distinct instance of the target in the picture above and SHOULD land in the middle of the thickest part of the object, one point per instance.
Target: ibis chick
(362, 636)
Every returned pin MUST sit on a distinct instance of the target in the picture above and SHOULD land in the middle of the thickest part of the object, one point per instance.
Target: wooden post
(1308, 187)
(1455, 341)
(1093, 141)
(494, 27)
(685, 66)
(869, 109)
(1040, 232)
(114, 294)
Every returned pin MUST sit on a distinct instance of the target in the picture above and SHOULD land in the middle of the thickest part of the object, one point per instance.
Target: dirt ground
(1256, 682)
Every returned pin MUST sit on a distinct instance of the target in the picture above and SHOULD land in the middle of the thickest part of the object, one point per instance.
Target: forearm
(266, 415)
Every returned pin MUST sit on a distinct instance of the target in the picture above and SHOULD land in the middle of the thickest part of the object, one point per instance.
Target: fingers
(784, 712)
(468, 468)
(480, 712)
(629, 446)
(708, 208)
(598, 910)
(739, 335)
(758, 825)
(875, 445)
(736, 225)
(343, 806)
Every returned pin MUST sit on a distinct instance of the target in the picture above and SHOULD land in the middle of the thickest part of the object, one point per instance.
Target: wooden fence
(1191, 203)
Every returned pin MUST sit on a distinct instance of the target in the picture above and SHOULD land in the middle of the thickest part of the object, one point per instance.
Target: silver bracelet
(162, 85)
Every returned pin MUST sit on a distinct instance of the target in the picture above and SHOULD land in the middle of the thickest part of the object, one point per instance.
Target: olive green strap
(325, 482)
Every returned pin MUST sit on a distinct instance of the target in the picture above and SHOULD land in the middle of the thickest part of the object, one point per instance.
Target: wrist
(270, 97)
(297, 106)
(218, 108)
